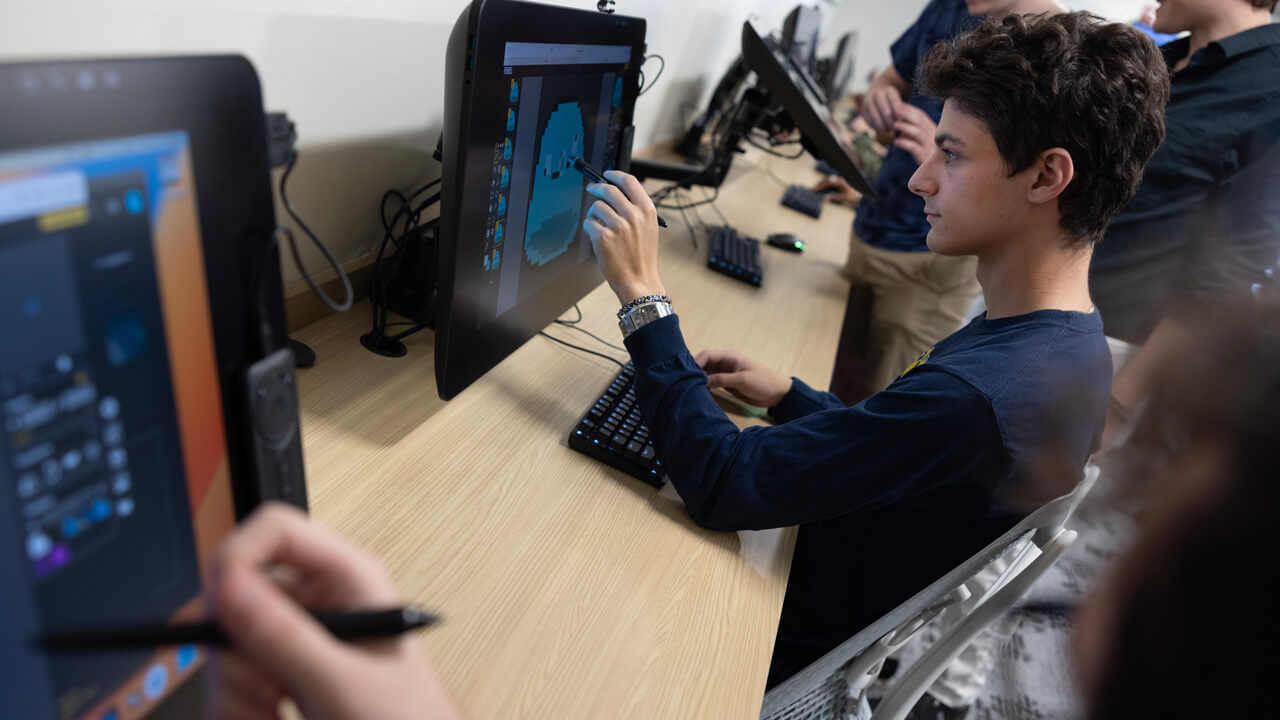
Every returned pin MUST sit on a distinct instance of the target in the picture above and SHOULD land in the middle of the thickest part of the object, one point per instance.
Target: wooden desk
(570, 590)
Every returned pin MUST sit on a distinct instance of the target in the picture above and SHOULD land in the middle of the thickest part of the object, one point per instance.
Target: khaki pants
(906, 302)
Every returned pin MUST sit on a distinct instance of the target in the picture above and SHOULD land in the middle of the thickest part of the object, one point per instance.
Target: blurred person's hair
(1096, 89)
(1195, 633)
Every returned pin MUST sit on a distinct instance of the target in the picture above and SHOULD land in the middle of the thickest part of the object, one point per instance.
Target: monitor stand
(753, 110)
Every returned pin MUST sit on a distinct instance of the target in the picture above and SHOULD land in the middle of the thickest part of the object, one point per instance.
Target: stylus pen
(590, 172)
(365, 625)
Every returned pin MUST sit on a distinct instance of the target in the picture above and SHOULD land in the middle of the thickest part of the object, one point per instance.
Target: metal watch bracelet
(641, 315)
(641, 301)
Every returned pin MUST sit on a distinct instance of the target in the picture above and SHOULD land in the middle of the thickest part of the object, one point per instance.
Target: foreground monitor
(527, 89)
(134, 201)
(796, 92)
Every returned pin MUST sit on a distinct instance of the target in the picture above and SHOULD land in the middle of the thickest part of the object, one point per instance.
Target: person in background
(1146, 24)
(1027, 169)
(276, 564)
(1205, 225)
(1184, 627)
(911, 297)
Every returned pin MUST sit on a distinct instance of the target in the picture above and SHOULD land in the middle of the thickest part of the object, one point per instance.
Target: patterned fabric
(1033, 677)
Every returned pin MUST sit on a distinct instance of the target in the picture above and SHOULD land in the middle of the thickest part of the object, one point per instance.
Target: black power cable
(579, 348)
(377, 338)
(572, 325)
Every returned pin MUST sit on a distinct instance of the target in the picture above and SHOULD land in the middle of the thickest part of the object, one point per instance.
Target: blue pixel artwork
(556, 205)
(506, 177)
(502, 204)
(506, 149)
(515, 91)
(511, 120)
(617, 92)
(497, 233)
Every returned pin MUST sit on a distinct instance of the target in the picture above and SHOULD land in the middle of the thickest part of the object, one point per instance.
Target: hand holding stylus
(623, 227)
(275, 565)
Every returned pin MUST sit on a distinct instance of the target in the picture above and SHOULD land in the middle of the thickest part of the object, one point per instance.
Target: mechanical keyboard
(804, 200)
(612, 432)
(734, 255)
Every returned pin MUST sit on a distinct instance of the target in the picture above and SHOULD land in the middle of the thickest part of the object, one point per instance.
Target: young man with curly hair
(1046, 128)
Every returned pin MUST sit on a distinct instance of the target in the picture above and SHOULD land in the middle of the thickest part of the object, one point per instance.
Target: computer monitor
(803, 102)
(800, 34)
(134, 203)
(528, 88)
(835, 72)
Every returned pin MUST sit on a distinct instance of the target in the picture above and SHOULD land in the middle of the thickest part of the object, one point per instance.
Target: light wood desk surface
(570, 590)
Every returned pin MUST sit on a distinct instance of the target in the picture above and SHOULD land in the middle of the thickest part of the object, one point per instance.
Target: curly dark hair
(1071, 81)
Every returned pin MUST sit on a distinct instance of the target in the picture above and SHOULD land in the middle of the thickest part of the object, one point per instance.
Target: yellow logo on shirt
(924, 358)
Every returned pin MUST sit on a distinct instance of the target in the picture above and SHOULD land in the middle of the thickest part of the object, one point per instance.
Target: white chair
(834, 686)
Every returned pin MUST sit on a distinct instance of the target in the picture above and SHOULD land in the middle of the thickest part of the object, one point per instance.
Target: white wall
(363, 79)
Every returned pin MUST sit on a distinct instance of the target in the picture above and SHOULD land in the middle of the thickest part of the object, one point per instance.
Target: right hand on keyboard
(744, 378)
(840, 190)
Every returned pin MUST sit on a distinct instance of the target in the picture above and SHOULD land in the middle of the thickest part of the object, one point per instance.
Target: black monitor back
(792, 88)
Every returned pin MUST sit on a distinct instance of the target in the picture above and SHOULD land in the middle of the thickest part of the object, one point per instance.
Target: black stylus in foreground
(365, 625)
(582, 167)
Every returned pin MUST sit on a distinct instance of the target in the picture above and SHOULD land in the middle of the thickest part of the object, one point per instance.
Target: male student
(1047, 125)
(1204, 227)
(915, 297)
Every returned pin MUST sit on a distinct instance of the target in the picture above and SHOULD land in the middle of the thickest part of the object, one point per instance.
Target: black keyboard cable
(579, 348)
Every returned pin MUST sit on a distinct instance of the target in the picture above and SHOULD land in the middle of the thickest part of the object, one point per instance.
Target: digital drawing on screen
(556, 204)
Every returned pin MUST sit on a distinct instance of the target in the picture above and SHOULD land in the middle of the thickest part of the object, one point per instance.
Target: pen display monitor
(529, 88)
(116, 459)
(108, 388)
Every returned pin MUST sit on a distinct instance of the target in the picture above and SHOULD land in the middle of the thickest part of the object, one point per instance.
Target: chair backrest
(806, 695)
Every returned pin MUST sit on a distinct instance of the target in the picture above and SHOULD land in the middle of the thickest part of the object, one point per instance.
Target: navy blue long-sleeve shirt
(896, 491)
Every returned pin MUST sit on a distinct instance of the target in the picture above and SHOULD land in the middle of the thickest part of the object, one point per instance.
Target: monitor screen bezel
(465, 350)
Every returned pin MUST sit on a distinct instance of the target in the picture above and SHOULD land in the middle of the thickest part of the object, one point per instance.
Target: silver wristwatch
(641, 315)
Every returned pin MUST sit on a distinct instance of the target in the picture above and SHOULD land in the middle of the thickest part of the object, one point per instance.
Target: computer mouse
(786, 241)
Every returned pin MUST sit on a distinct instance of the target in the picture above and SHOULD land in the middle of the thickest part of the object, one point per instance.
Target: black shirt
(1205, 224)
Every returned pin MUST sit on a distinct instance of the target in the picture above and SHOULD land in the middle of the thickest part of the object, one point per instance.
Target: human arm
(1235, 239)
(840, 190)
(914, 132)
(623, 230)
(276, 564)
(928, 429)
(1135, 381)
(886, 95)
